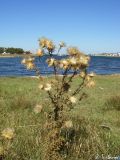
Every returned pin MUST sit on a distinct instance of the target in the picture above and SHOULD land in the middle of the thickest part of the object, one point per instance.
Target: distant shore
(16, 55)
(105, 56)
(34, 55)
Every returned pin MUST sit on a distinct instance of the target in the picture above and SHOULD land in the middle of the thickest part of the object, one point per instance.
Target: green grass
(113, 103)
(18, 96)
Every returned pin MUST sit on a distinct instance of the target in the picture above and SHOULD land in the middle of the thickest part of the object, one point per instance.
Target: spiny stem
(59, 50)
(55, 69)
(80, 85)
(70, 79)
(79, 88)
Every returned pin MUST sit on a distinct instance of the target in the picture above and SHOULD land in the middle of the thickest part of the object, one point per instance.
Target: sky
(91, 25)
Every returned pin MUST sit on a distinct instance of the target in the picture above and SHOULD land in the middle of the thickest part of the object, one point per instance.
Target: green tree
(19, 50)
(15, 50)
(28, 52)
(1, 50)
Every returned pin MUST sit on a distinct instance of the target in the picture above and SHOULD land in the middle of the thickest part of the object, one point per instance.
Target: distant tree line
(12, 50)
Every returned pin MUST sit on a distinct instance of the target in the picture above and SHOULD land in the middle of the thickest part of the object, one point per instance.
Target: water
(99, 65)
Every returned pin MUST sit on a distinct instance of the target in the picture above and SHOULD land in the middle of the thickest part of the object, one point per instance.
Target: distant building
(4, 53)
(109, 54)
(119, 54)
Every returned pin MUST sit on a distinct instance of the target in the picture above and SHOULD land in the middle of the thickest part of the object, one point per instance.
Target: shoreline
(34, 55)
(105, 56)
(49, 76)
(17, 55)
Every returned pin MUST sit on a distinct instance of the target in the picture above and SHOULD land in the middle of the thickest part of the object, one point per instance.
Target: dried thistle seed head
(83, 61)
(40, 52)
(64, 64)
(47, 87)
(29, 62)
(73, 99)
(62, 44)
(73, 61)
(24, 61)
(8, 133)
(73, 51)
(50, 61)
(82, 74)
(30, 65)
(41, 86)
(91, 74)
(50, 45)
(88, 78)
(90, 84)
(68, 124)
(42, 42)
(30, 59)
(38, 108)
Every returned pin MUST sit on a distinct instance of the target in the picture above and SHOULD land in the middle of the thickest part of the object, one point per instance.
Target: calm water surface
(99, 65)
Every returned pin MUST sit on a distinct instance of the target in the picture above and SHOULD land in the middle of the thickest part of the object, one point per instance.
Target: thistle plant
(60, 92)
